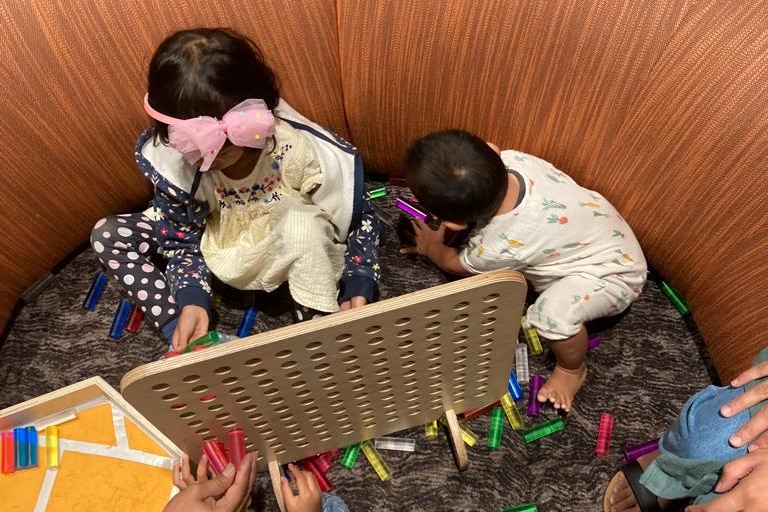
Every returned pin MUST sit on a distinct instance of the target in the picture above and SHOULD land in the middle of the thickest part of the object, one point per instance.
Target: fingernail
(725, 410)
(736, 441)
(229, 470)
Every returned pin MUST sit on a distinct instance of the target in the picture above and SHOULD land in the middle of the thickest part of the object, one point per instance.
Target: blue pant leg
(701, 432)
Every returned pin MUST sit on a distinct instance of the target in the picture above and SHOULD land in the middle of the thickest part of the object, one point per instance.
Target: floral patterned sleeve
(179, 224)
(362, 270)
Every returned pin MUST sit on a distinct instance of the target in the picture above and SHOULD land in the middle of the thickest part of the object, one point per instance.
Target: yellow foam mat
(93, 425)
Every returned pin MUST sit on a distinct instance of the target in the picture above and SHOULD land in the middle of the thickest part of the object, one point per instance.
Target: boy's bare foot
(562, 386)
(621, 498)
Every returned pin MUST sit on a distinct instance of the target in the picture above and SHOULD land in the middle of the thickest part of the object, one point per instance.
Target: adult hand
(425, 239)
(309, 497)
(228, 492)
(192, 324)
(755, 431)
(354, 302)
(743, 481)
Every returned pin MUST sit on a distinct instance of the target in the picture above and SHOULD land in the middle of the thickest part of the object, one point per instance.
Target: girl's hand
(755, 431)
(228, 492)
(425, 239)
(309, 497)
(354, 302)
(192, 324)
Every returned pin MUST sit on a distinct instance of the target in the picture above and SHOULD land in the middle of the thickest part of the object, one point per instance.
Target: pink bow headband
(247, 124)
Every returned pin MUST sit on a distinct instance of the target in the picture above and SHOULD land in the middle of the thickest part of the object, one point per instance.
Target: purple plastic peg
(534, 385)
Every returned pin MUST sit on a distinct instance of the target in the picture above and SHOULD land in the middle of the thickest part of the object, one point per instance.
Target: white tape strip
(121, 435)
(45, 490)
(115, 452)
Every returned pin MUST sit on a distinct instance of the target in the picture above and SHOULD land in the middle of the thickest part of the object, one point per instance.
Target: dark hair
(206, 72)
(456, 176)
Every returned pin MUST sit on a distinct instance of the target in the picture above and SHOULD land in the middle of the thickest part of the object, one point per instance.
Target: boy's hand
(309, 497)
(192, 324)
(228, 492)
(754, 431)
(425, 239)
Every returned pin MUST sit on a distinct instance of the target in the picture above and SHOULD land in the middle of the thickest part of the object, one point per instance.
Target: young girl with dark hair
(245, 189)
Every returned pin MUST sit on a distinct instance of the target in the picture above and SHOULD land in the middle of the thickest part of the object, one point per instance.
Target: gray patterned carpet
(649, 362)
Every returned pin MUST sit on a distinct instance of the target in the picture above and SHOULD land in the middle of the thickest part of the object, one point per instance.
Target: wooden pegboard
(340, 379)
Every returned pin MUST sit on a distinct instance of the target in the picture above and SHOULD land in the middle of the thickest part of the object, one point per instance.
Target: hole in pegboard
(281, 409)
(202, 431)
(222, 370)
(409, 373)
(249, 408)
(489, 310)
(488, 332)
(318, 357)
(352, 369)
(433, 336)
(313, 345)
(432, 313)
(373, 329)
(432, 326)
(485, 322)
(461, 305)
(402, 321)
(402, 345)
(252, 362)
(458, 340)
(329, 385)
(223, 416)
(406, 355)
(491, 297)
(200, 389)
(375, 341)
(434, 366)
(486, 342)
(343, 338)
(298, 384)
(288, 365)
(378, 351)
(187, 415)
(433, 357)
(333, 394)
(194, 423)
(460, 318)
(459, 359)
(257, 374)
(325, 376)
(277, 400)
(404, 333)
(356, 378)
(293, 375)
(303, 393)
(460, 329)
(271, 392)
(358, 387)
(322, 367)
(178, 406)
(229, 381)
(283, 354)
(229, 424)
(379, 362)
(347, 349)
(349, 359)
(265, 383)
(384, 380)
(433, 347)
(460, 349)
(169, 397)
(163, 386)
(215, 407)
(236, 391)
(435, 375)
